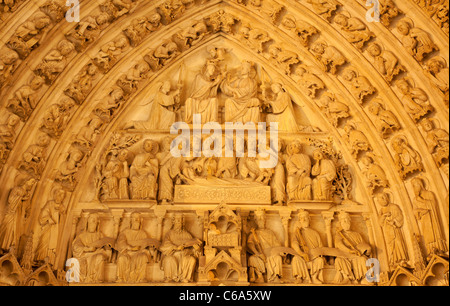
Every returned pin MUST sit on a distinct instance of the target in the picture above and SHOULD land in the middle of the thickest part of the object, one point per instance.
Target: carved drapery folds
(87, 171)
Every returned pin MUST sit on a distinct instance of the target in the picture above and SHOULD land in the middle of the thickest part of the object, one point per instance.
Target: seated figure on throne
(243, 104)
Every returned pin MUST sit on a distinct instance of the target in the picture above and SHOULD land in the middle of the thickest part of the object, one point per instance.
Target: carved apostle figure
(203, 98)
(163, 111)
(392, 220)
(307, 266)
(281, 109)
(243, 104)
(385, 122)
(437, 140)
(180, 251)
(324, 171)
(351, 266)
(92, 249)
(406, 158)
(7, 135)
(415, 100)
(135, 249)
(262, 244)
(49, 221)
(426, 210)
(144, 173)
(9, 228)
(169, 173)
(298, 169)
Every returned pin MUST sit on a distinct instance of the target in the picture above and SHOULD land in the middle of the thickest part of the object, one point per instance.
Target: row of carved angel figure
(153, 173)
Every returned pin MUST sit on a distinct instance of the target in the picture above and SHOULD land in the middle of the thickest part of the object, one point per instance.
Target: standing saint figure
(163, 111)
(243, 104)
(49, 221)
(426, 210)
(203, 99)
(392, 220)
(325, 172)
(264, 259)
(298, 169)
(144, 173)
(306, 266)
(92, 249)
(180, 251)
(282, 110)
(9, 234)
(169, 172)
(135, 251)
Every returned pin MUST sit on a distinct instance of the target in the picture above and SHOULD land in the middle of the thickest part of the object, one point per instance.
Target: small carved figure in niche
(442, 17)
(414, 99)
(49, 219)
(270, 8)
(437, 140)
(164, 107)
(192, 35)
(140, 27)
(34, 158)
(56, 117)
(406, 158)
(108, 54)
(262, 244)
(357, 140)
(144, 173)
(8, 64)
(86, 31)
(203, 98)
(426, 211)
(8, 6)
(106, 108)
(375, 175)
(392, 220)
(333, 109)
(88, 134)
(280, 108)
(27, 36)
(283, 58)
(92, 249)
(351, 266)
(24, 100)
(325, 8)
(221, 21)
(303, 30)
(180, 251)
(255, 38)
(117, 8)
(66, 174)
(136, 249)
(308, 80)
(172, 9)
(162, 55)
(385, 122)
(385, 62)
(438, 73)
(7, 136)
(330, 57)
(307, 266)
(9, 235)
(55, 9)
(354, 30)
(129, 81)
(55, 62)
(324, 171)
(360, 86)
(298, 169)
(243, 104)
(388, 11)
(416, 41)
(82, 84)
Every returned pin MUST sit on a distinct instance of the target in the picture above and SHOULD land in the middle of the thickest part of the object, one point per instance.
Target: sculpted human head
(345, 221)
(303, 219)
